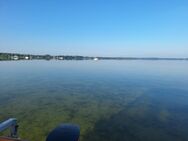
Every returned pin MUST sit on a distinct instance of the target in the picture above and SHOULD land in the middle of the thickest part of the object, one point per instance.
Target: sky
(123, 28)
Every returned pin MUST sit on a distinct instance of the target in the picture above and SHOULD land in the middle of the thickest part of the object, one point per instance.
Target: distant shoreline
(16, 56)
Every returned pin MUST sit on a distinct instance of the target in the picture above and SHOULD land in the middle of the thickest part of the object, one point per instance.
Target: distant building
(15, 57)
(60, 58)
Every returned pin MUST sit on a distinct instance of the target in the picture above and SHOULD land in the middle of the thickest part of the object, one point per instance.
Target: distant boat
(96, 59)
(26, 57)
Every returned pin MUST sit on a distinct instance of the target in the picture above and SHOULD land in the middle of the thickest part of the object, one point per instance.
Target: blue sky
(139, 28)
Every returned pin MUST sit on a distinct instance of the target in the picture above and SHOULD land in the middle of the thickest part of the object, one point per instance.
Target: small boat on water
(64, 132)
(96, 59)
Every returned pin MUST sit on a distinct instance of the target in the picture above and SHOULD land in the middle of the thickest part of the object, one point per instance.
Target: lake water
(110, 100)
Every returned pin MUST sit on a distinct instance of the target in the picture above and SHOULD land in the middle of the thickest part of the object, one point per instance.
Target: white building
(15, 57)
(60, 58)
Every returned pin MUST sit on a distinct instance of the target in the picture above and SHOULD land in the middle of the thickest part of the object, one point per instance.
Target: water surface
(110, 100)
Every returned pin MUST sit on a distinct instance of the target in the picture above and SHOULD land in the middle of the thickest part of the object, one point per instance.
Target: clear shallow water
(110, 100)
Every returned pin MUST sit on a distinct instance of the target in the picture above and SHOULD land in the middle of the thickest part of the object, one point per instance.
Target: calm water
(110, 100)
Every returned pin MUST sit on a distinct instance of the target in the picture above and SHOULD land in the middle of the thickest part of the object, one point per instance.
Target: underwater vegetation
(38, 114)
(143, 120)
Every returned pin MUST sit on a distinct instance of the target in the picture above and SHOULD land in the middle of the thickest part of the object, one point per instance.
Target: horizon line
(45, 54)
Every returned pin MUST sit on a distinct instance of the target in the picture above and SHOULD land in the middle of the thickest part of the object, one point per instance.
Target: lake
(131, 100)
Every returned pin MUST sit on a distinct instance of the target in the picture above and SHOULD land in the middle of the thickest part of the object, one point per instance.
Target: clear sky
(137, 28)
